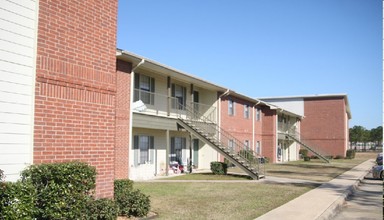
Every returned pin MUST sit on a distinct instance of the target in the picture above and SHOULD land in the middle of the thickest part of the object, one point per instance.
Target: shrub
(351, 154)
(102, 209)
(219, 168)
(2, 176)
(17, 200)
(339, 157)
(123, 185)
(63, 189)
(130, 202)
(229, 163)
(307, 158)
(303, 152)
(248, 154)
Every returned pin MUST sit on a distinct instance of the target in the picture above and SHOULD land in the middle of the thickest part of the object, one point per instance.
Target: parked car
(377, 171)
(379, 159)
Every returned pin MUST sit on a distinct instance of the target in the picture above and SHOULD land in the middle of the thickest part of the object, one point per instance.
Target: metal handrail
(232, 145)
(308, 144)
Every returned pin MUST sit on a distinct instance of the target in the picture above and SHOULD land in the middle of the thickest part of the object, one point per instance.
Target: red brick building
(325, 124)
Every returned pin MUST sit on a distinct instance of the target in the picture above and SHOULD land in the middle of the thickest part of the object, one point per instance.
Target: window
(258, 114)
(231, 107)
(180, 95)
(258, 150)
(143, 145)
(231, 145)
(144, 89)
(246, 143)
(246, 111)
(177, 146)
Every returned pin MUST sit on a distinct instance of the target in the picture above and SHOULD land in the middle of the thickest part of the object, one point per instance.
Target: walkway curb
(325, 201)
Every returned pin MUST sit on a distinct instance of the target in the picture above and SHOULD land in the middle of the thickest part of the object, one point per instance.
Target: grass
(316, 170)
(209, 176)
(217, 200)
(239, 200)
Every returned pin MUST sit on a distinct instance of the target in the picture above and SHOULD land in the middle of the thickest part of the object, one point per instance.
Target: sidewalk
(323, 202)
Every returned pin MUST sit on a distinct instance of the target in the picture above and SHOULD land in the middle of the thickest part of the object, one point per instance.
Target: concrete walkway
(325, 201)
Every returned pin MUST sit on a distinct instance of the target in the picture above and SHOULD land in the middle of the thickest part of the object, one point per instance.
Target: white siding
(295, 105)
(18, 30)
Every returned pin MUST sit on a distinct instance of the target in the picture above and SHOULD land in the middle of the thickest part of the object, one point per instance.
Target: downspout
(130, 106)
(219, 118)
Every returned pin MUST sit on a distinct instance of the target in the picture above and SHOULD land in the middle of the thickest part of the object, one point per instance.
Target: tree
(359, 134)
(376, 135)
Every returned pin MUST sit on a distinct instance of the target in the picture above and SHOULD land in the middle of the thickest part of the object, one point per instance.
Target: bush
(303, 152)
(351, 154)
(123, 185)
(130, 202)
(63, 189)
(17, 200)
(339, 157)
(219, 168)
(306, 158)
(102, 209)
(229, 163)
(248, 154)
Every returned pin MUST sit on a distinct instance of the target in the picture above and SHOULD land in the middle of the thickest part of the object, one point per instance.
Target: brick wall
(76, 86)
(325, 124)
(123, 76)
(240, 127)
(269, 144)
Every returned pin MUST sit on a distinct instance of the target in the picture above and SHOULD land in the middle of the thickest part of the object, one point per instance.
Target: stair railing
(318, 151)
(223, 139)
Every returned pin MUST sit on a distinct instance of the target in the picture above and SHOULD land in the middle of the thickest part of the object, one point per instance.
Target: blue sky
(264, 48)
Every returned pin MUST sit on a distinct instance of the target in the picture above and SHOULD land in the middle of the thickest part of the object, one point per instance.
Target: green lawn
(238, 200)
(214, 200)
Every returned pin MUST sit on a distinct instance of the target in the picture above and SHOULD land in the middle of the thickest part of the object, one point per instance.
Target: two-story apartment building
(158, 95)
(257, 124)
(325, 122)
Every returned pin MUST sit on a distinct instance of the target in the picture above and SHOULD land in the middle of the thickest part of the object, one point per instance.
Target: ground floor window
(143, 145)
(177, 146)
(258, 150)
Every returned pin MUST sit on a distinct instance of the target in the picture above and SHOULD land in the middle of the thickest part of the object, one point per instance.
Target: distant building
(325, 122)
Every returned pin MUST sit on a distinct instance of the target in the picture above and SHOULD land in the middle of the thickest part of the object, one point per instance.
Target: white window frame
(246, 111)
(231, 107)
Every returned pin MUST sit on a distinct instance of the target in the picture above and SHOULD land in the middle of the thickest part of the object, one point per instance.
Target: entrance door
(196, 152)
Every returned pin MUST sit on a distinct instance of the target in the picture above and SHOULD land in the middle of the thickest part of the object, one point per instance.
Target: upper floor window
(231, 107)
(180, 96)
(258, 114)
(144, 89)
(246, 111)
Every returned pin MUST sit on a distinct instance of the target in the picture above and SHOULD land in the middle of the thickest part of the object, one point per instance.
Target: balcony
(165, 106)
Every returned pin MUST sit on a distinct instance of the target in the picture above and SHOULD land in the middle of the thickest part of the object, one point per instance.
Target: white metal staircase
(295, 136)
(222, 141)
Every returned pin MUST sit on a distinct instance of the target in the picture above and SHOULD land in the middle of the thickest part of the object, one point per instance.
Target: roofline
(137, 60)
(121, 54)
(336, 95)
